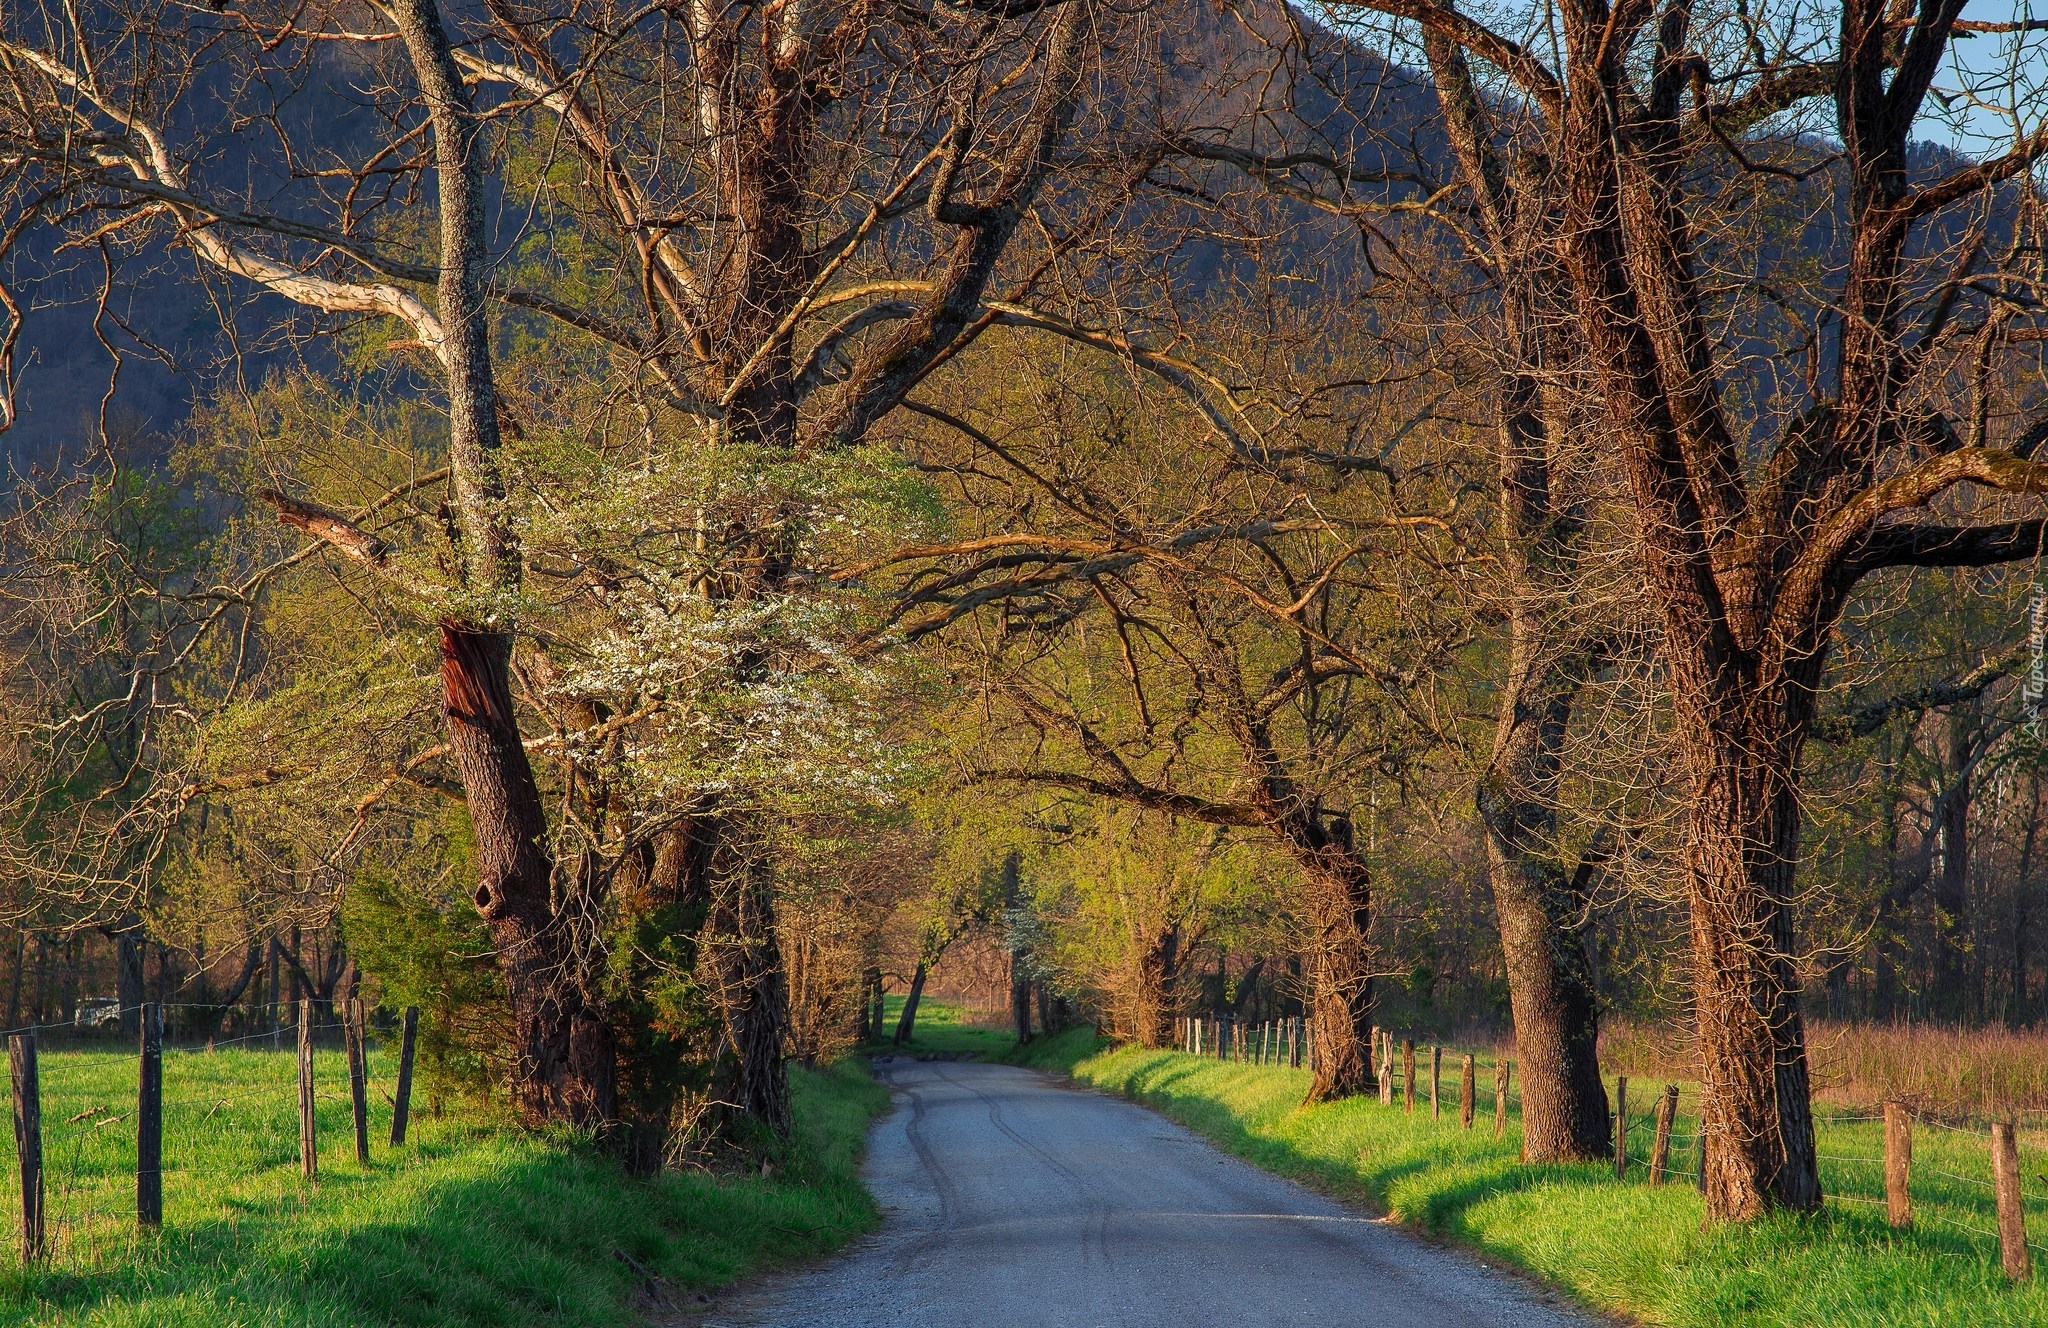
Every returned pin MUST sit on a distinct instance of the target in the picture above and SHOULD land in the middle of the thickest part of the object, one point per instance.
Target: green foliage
(425, 945)
(663, 1020)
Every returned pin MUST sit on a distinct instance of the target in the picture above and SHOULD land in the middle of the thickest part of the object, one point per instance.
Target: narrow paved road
(1015, 1199)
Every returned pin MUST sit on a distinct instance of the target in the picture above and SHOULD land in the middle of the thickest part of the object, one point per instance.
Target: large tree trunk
(875, 1005)
(562, 1048)
(1340, 964)
(740, 959)
(1020, 994)
(1152, 1002)
(1020, 949)
(1542, 907)
(906, 1023)
(658, 895)
(1755, 1095)
(1540, 901)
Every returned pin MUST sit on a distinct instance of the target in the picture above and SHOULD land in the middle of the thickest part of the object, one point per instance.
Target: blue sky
(1993, 60)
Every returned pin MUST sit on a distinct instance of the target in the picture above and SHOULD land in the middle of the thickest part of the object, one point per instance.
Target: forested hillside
(645, 525)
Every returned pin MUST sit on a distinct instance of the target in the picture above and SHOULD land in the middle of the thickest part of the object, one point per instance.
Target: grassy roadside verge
(469, 1224)
(1623, 1248)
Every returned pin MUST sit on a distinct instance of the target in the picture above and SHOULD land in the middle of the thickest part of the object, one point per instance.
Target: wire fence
(1949, 1184)
(228, 1117)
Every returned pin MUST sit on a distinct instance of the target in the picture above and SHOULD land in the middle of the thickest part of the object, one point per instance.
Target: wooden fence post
(28, 1140)
(2012, 1220)
(1898, 1164)
(1502, 1069)
(1408, 1073)
(358, 1078)
(401, 1102)
(1621, 1127)
(1387, 1079)
(1436, 1079)
(309, 1142)
(1468, 1091)
(149, 1121)
(1660, 1150)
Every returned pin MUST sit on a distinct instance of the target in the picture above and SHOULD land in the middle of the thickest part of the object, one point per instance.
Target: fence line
(68, 1166)
(1249, 1042)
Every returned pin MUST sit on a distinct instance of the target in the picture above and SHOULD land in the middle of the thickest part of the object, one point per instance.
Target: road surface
(1014, 1199)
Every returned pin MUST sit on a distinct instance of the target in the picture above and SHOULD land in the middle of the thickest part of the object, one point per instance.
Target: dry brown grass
(1981, 1073)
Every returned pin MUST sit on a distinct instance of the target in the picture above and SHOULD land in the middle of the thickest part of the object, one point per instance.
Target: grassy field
(1953, 1073)
(1621, 1246)
(942, 1028)
(470, 1223)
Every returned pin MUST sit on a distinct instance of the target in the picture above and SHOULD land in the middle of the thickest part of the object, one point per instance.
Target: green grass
(470, 1223)
(941, 1029)
(1617, 1246)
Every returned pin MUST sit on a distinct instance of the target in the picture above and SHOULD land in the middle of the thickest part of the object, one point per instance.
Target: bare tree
(1236, 627)
(1751, 565)
(777, 268)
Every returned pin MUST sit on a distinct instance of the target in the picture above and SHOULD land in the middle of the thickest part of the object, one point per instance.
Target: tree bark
(1541, 909)
(1541, 903)
(1152, 1002)
(739, 959)
(1020, 994)
(660, 894)
(1340, 967)
(906, 1023)
(1743, 844)
(562, 1047)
